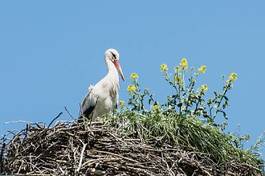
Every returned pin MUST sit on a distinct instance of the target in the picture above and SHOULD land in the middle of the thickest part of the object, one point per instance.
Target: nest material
(95, 149)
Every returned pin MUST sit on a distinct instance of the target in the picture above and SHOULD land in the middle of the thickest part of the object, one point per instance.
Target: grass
(189, 133)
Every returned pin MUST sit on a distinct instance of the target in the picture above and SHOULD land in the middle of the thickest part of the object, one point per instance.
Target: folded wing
(89, 103)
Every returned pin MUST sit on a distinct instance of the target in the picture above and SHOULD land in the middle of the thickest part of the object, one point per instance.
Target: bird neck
(112, 71)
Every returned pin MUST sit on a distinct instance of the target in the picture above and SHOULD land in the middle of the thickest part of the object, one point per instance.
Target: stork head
(114, 57)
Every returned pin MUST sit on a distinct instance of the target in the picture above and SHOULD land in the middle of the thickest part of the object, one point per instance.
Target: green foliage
(187, 99)
(187, 119)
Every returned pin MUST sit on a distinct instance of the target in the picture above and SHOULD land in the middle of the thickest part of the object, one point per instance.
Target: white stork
(104, 96)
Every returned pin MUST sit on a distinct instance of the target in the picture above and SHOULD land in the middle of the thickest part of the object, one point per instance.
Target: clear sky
(50, 51)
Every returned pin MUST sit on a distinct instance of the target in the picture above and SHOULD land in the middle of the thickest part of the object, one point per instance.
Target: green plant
(189, 100)
(137, 95)
(187, 119)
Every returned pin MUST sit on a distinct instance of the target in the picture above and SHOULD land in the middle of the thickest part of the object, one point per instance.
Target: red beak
(118, 67)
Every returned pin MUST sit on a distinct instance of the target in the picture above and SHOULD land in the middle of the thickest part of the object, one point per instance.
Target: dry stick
(2, 155)
(170, 172)
(55, 119)
(114, 154)
(72, 117)
(81, 158)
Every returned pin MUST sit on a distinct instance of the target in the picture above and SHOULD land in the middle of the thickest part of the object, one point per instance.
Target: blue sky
(50, 51)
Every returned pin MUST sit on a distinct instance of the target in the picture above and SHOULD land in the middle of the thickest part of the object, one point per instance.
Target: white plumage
(103, 97)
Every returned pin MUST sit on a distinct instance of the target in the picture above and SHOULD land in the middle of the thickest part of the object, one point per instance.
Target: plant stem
(221, 99)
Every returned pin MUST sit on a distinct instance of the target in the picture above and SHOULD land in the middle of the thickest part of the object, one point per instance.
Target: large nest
(96, 149)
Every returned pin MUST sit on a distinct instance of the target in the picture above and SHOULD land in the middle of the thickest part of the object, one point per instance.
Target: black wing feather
(89, 103)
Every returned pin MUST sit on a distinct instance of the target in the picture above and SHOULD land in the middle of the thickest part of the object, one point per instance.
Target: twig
(81, 158)
(55, 119)
(2, 155)
(69, 113)
(114, 154)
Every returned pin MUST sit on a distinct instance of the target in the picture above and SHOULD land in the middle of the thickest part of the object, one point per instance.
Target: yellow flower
(233, 77)
(122, 103)
(131, 88)
(204, 88)
(178, 80)
(202, 69)
(134, 76)
(184, 63)
(163, 67)
(155, 107)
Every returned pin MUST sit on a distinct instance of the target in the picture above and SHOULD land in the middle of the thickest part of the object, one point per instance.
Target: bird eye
(113, 55)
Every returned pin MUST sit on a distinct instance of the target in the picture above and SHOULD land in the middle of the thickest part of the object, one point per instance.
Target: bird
(104, 96)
